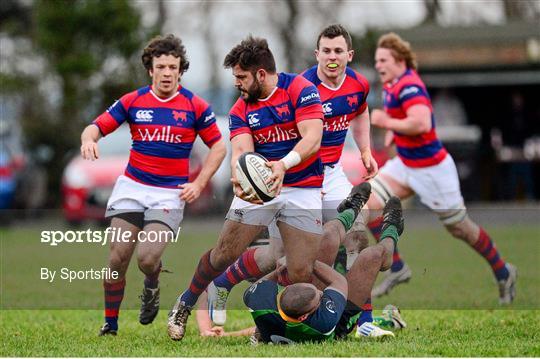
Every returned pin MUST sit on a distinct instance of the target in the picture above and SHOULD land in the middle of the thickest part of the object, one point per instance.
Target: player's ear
(261, 75)
(351, 55)
(303, 317)
(150, 72)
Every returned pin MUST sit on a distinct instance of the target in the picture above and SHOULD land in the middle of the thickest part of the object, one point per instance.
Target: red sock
(486, 248)
(244, 268)
(204, 274)
(114, 293)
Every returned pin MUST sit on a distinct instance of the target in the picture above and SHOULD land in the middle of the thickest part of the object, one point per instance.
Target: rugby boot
(370, 330)
(217, 302)
(391, 280)
(255, 338)
(507, 287)
(177, 322)
(393, 215)
(106, 330)
(149, 305)
(356, 199)
(390, 319)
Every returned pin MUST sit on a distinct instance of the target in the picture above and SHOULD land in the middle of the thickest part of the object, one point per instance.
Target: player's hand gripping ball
(252, 174)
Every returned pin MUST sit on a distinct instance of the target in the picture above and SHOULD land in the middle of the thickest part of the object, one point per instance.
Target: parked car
(87, 185)
(23, 182)
(7, 177)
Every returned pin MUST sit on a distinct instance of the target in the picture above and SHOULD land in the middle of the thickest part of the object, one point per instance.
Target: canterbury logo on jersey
(164, 134)
(144, 116)
(276, 134)
(253, 120)
(327, 108)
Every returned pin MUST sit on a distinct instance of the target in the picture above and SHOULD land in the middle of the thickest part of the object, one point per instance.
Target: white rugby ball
(252, 174)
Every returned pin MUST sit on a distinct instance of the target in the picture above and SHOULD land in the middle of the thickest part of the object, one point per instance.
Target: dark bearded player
(343, 94)
(278, 115)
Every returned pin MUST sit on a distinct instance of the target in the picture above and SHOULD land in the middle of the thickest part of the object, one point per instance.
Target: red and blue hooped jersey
(272, 124)
(422, 150)
(340, 106)
(163, 132)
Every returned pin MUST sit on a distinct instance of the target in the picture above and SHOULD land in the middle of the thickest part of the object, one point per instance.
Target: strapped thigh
(453, 216)
(381, 189)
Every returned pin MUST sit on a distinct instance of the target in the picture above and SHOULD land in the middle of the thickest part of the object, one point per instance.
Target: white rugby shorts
(298, 207)
(157, 203)
(437, 186)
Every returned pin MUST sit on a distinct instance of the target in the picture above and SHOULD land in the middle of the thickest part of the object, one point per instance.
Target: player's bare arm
(89, 146)
(241, 144)
(311, 132)
(192, 191)
(330, 278)
(360, 128)
(418, 121)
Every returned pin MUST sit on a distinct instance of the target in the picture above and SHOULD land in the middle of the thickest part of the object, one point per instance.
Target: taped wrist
(291, 159)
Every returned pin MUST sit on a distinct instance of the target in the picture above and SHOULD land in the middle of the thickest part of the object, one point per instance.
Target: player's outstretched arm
(360, 128)
(89, 146)
(192, 191)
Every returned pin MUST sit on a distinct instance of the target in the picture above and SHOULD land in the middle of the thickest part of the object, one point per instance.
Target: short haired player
(164, 118)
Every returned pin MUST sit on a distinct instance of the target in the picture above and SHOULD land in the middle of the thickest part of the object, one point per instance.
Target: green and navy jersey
(261, 299)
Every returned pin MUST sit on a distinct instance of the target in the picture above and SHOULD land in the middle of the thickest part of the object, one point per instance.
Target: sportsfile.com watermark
(109, 235)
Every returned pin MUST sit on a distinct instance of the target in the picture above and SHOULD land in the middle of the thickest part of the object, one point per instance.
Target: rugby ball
(252, 174)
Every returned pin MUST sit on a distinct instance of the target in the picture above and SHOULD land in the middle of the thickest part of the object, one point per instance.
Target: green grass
(430, 333)
(450, 304)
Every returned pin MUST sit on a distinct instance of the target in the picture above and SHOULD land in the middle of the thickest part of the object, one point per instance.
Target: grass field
(450, 304)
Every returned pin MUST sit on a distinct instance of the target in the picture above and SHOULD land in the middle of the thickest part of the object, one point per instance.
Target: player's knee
(148, 263)
(119, 260)
(386, 259)
(220, 260)
(301, 274)
(300, 277)
(357, 240)
(457, 230)
(373, 256)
